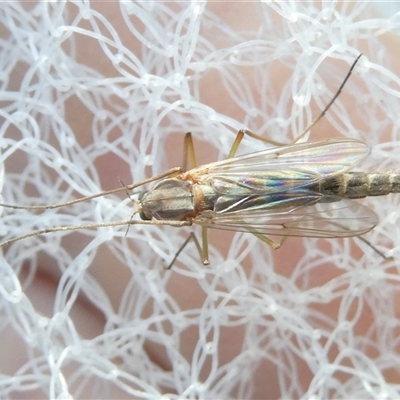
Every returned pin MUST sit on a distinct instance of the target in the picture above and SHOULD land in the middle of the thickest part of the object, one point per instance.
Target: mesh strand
(94, 93)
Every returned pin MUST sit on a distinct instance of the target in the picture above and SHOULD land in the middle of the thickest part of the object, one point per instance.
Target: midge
(302, 189)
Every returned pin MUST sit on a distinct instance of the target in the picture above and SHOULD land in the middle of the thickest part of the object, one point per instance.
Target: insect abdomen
(355, 185)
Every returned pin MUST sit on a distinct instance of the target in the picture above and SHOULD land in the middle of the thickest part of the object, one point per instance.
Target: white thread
(90, 94)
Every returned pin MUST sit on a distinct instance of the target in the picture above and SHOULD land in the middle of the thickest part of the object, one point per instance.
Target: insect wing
(343, 218)
(283, 169)
(273, 192)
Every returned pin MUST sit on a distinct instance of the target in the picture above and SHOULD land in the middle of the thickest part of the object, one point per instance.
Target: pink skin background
(113, 281)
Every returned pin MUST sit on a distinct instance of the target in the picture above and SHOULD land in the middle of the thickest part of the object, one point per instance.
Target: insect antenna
(128, 222)
(170, 172)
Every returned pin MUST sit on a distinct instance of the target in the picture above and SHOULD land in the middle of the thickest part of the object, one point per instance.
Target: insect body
(302, 189)
(297, 190)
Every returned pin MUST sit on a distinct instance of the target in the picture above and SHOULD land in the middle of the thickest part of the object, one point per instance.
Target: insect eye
(144, 217)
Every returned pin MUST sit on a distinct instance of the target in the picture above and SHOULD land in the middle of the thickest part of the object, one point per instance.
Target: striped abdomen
(355, 185)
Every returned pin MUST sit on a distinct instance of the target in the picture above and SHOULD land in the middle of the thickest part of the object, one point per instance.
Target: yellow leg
(236, 143)
(189, 155)
(265, 239)
(188, 152)
(204, 240)
(203, 252)
(240, 135)
(262, 139)
(268, 241)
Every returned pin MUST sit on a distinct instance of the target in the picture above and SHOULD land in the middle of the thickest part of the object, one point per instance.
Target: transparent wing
(282, 169)
(275, 192)
(307, 216)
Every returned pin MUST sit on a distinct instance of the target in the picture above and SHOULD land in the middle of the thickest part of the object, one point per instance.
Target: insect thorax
(171, 199)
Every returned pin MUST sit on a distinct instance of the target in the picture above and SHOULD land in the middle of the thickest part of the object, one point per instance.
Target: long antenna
(172, 171)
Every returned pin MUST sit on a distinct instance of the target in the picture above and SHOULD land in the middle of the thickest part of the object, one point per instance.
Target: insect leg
(188, 152)
(204, 239)
(265, 239)
(236, 143)
(374, 248)
(262, 139)
(232, 152)
(240, 136)
(235, 146)
(189, 158)
(328, 106)
(202, 251)
(268, 241)
(314, 122)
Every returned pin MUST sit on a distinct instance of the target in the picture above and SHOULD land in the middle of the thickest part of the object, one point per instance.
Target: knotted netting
(98, 93)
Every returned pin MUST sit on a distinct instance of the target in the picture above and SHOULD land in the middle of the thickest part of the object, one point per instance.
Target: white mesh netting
(94, 93)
